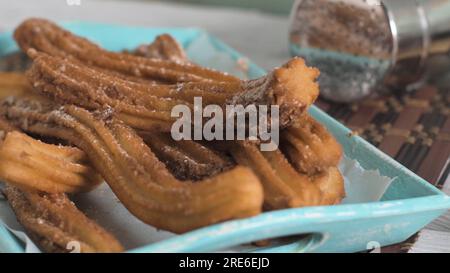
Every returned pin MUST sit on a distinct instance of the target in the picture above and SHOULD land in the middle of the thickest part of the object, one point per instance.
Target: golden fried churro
(292, 87)
(14, 84)
(164, 47)
(50, 219)
(137, 177)
(76, 85)
(187, 159)
(55, 224)
(33, 165)
(321, 185)
(283, 186)
(148, 107)
(309, 146)
(331, 185)
(103, 95)
(69, 82)
(48, 37)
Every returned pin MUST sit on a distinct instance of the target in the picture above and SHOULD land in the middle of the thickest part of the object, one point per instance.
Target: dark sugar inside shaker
(363, 47)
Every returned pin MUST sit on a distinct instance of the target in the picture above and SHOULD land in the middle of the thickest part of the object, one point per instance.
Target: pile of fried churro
(81, 115)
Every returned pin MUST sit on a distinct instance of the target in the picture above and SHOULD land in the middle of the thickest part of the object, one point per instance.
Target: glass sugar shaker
(364, 47)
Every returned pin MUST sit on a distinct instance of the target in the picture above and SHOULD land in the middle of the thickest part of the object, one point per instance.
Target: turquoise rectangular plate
(409, 204)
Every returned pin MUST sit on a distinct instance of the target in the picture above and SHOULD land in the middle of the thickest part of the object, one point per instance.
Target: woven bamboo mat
(14, 62)
(413, 128)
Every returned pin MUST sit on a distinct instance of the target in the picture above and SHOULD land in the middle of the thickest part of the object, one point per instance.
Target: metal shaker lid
(365, 46)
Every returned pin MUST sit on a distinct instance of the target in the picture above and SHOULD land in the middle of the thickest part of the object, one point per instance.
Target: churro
(164, 47)
(55, 224)
(283, 186)
(148, 107)
(31, 164)
(187, 159)
(309, 146)
(137, 177)
(47, 37)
